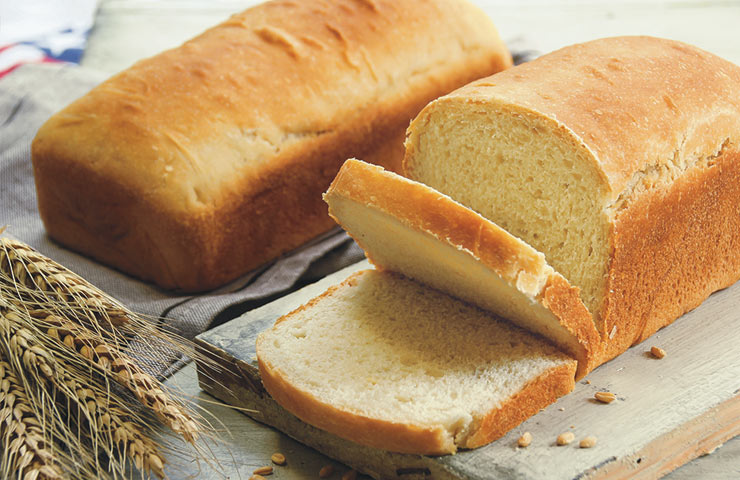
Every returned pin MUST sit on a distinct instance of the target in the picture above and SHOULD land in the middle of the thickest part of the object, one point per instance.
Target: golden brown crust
(197, 165)
(536, 395)
(422, 209)
(673, 248)
(632, 101)
(564, 300)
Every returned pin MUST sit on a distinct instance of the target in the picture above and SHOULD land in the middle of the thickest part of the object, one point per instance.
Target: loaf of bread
(409, 228)
(386, 362)
(197, 165)
(617, 158)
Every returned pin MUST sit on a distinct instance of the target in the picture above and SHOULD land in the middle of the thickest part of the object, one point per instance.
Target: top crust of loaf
(429, 213)
(616, 114)
(191, 125)
(206, 161)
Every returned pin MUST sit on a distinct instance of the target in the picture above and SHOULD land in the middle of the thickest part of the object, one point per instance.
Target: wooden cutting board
(667, 411)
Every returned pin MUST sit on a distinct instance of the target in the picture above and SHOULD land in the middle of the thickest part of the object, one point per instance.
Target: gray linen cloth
(31, 94)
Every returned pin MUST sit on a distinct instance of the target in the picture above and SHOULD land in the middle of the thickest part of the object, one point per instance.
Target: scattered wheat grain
(565, 438)
(588, 442)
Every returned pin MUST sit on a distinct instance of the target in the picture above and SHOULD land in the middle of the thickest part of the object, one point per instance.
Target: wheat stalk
(26, 453)
(50, 283)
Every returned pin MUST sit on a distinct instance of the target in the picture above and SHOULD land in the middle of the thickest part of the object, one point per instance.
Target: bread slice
(389, 363)
(407, 227)
(617, 158)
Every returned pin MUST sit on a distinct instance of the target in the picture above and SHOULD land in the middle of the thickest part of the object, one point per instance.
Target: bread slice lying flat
(407, 227)
(387, 362)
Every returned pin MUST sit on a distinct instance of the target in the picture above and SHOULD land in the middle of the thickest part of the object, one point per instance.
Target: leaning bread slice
(389, 363)
(407, 227)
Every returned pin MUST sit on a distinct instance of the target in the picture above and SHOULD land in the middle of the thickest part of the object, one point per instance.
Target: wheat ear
(105, 421)
(41, 280)
(25, 453)
(126, 372)
(79, 307)
(97, 416)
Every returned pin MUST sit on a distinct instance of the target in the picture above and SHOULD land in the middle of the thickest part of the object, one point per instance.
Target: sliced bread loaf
(617, 158)
(387, 362)
(407, 227)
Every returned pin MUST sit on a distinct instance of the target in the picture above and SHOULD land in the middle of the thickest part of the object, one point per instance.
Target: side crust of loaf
(424, 210)
(195, 166)
(673, 248)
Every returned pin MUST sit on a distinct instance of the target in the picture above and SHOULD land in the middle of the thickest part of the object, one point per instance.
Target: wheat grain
(605, 397)
(565, 438)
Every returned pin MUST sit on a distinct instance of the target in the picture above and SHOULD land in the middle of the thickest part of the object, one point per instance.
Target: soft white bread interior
(387, 362)
(617, 158)
(407, 227)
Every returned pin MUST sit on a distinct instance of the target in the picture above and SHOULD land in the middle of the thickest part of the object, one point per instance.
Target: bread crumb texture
(386, 348)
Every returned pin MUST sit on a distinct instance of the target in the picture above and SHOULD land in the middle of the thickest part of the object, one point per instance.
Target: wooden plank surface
(667, 411)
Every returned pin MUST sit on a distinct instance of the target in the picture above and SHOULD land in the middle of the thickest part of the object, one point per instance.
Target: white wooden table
(127, 30)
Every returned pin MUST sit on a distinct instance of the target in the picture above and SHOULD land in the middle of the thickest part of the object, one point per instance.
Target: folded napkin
(28, 97)
(34, 31)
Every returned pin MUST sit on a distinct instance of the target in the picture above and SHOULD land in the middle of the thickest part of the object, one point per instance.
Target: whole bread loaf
(409, 228)
(617, 158)
(206, 161)
(389, 363)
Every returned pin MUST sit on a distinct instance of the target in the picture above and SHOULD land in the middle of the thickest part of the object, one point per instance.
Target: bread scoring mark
(313, 42)
(671, 104)
(369, 63)
(68, 120)
(281, 38)
(276, 143)
(370, 4)
(596, 73)
(337, 33)
(130, 92)
(184, 151)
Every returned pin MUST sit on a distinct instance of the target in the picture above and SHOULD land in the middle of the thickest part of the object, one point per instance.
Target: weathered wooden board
(668, 411)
